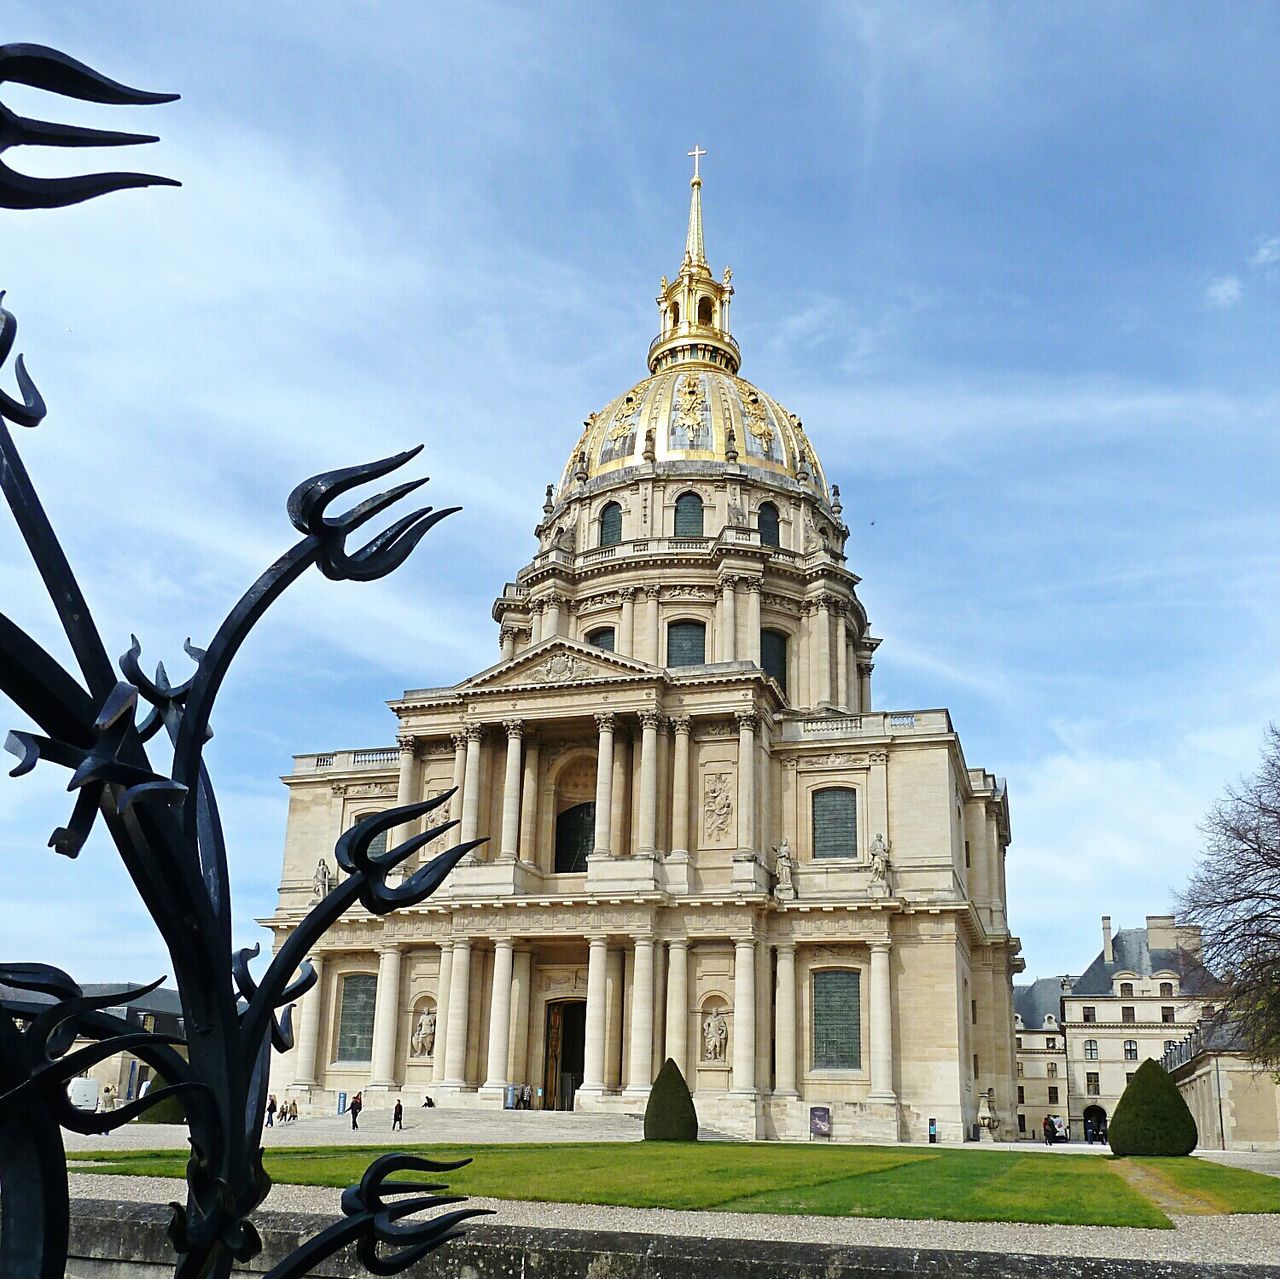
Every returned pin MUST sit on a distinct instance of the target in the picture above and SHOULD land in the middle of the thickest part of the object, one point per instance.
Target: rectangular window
(1091, 1050)
(975, 1065)
(973, 1011)
(1128, 1077)
(1022, 1123)
(1126, 1013)
(837, 1019)
(1020, 1069)
(686, 644)
(1166, 1016)
(1051, 1043)
(835, 823)
(1166, 990)
(967, 861)
(1090, 1014)
(1022, 1095)
(355, 1022)
(1053, 1096)
(1052, 1070)
(1092, 1084)
(1019, 1041)
(773, 656)
(1126, 990)
(1131, 1050)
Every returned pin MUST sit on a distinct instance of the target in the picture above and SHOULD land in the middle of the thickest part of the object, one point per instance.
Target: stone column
(511, 791)
(764, 787)
(471, 783)
(842, 660)
(406, 785)
(499, 1015)
(678, 1004)
(752, 650)
(521, 993)
(746, 780)
(822, 651)
(552, 604)
(785, 1016)
(508, 640)
(638, 1077)
(806, 681)
(648, 824)
(442, 1012)
(386, 1018)
(615, 998)
(309, 1029)
(459, 741)
(881, 1024)
(680, 786)
(864, 685)
(619, 815)
(625, 641)
(604, 781)
(535, 623)
(653, 647)
(529, 802)
(729, 649)
(593, 1053)
(455, 1065)
(744, 1015)
(717, 634)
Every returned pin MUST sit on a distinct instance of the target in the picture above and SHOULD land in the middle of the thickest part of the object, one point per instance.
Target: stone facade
(703, 841)
(1041, 1046)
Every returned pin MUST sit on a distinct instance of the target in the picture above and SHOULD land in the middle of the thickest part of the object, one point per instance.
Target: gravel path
(1244, 1239)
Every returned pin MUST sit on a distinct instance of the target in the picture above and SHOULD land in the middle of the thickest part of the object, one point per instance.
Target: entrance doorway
(1095, 1119)
(566, 1049)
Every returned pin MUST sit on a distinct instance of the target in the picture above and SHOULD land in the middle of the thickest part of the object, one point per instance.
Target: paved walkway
(1251, 1240)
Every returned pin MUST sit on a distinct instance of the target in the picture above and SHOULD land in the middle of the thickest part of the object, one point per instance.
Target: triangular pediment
(561, 661)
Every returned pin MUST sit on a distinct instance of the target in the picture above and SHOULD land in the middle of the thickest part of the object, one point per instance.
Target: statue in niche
(880, 865)
(717, 806)
(783, 869)
(423, 1042)
(322, 880)
(737, 516)
(715, 1036)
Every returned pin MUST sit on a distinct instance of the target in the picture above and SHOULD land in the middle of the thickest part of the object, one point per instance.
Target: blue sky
(1017, 267)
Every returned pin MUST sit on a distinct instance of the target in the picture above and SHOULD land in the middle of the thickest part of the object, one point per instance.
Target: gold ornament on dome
(756, 417)
(691, 403)
(623, 419)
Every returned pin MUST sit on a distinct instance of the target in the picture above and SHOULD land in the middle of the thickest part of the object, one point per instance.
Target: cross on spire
(697, 153)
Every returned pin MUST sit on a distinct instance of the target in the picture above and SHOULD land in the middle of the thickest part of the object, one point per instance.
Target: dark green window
(379, 844)
(835, 823)
(611, 525)
(355, 1021)
(602, 638)
(837, 1019)
(767, 520)
(773, 656)
(688, 515)
(686, 644)
(575, 837)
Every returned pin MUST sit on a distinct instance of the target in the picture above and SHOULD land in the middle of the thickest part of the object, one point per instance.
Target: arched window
(575, 835)
(705, 311)
(773, 656)
(1166, 990)
(1131, 1050)
(1091, 1050)
(1126, 990)
(355, 1019)
(686, 644)
(837, 1019)
(767, 522)
(688, 515)
(835, 822)
(675, 313)
(603, 638)
(611, 525)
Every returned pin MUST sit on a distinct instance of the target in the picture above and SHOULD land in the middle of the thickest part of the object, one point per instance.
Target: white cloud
(1266, 257)
(1223, 292)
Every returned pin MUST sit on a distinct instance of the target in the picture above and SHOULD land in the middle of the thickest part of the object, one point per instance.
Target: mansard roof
(1132, 954)
(1037, 1000)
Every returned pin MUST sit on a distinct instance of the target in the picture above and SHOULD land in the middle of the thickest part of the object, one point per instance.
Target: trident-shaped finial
(48, 69)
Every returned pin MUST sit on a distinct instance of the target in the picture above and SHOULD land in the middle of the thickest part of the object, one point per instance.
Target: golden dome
(695, 413)
(694, 408)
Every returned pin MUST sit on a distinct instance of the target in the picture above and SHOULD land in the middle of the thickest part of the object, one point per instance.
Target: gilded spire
(693, 250)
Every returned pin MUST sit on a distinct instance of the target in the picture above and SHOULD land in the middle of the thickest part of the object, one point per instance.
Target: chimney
(1108, 954)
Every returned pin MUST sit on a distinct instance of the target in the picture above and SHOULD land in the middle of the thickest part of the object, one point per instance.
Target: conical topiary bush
(1151, 1118)
(670, 1115)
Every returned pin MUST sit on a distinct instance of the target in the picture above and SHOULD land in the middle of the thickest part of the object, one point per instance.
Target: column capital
(445, 943)
(596, 939)
(753, 584)
(474, 732)
(458, 740)
(653, 590)
(508, 633)
(626, 593)
(605, 721)
(747, 720)
(743, 939)
(881, 945)
(865, 669)
(513, 727)
(650, 719)
(390, 947)
(504, 943)
(553, 599)
(681, 724)
(407, 743)
(680, 943)
(785, 947)
(536, 606)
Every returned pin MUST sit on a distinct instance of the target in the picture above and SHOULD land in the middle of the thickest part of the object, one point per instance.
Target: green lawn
(854, 1181)
(1223, 1188)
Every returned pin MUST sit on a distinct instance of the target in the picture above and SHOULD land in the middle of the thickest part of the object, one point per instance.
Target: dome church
(705, 842)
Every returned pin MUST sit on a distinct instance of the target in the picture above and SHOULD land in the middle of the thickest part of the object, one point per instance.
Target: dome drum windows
(686, 644)
(603, 638)
(773, 656)
(767, 523)
(688, 517)
(610, 524)
(835, 822)
(706, 311)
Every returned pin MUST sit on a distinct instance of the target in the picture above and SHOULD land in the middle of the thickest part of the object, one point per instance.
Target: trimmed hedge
(1151, 1118)
(168, 1110)
(670, 1115)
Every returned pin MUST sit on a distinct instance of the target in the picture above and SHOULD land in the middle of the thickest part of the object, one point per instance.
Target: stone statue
(880, 866)
(784, 885)
(322, 880)
(728, 277)
(715, 1035)
(737, 516)
(988, 1119)
(717, 806)
(424, 1034)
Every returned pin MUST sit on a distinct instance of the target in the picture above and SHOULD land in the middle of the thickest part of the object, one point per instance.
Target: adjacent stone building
(1041, 1047)
(705, 842)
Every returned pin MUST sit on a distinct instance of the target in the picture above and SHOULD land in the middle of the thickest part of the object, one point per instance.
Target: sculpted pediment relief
(558, 662)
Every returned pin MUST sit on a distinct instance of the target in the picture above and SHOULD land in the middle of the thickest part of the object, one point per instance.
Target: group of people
(1055, 1129)
(286, 1111)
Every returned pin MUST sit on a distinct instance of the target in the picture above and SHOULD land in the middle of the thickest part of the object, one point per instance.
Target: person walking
(397, 1117)
(354, 1107)
(271, 1111)
(1047, 1129)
